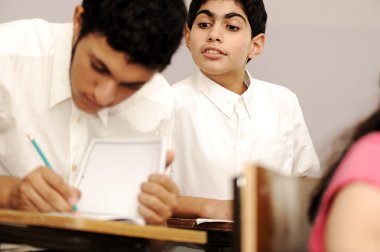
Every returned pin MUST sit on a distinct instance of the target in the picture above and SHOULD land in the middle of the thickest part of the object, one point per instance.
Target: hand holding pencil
(43, 190)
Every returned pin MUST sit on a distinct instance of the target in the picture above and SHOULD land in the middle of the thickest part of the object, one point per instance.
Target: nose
(105, 92)
(214, 35)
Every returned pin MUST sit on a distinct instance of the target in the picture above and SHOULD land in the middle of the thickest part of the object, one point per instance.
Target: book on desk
(112, 172)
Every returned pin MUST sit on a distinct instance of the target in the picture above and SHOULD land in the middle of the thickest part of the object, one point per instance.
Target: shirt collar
(60, 74)
(221, 97)
(248, 94)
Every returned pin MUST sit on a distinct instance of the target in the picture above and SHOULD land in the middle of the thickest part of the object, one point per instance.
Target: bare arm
(353, 223)
(193, 207)
(7, 185)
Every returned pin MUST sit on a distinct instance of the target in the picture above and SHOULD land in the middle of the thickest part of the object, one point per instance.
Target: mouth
(213, 51)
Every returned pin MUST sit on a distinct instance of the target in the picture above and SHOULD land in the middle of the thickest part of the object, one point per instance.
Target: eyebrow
(100, 62)
(135, 83)
(227, 16)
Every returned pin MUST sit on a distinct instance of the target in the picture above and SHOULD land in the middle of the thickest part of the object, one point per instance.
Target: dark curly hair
(254, 9)
(148, 31)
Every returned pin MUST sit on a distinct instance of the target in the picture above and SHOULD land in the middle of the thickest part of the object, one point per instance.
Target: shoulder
(184, 85)
(274, 90)
(40, 35)
(353, 189)
(185, 90)
(364, 153)
(156, 91)
(278, 97)
(361, 163)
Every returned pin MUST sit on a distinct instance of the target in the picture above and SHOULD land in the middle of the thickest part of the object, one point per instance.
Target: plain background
(326, 51)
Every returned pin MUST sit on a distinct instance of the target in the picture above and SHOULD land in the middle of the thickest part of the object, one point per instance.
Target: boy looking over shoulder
(226, 119)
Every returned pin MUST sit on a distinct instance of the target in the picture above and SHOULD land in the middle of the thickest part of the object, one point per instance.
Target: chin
(212, 71)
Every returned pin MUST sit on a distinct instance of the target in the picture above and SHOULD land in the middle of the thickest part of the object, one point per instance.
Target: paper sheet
(111, 174)
(202, 220)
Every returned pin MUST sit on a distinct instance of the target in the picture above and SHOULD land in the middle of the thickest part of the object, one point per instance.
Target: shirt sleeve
(6, 123)
(361, 164)
(305, 159)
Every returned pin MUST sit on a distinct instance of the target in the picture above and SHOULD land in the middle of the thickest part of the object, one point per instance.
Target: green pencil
(44, 159)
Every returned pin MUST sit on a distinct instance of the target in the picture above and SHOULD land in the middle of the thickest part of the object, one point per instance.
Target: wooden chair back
(270, 211)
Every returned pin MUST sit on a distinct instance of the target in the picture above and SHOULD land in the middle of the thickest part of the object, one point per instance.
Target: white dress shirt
(217, 132)
(35, 97)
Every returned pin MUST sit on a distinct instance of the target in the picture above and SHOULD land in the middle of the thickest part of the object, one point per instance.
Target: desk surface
(19, 219)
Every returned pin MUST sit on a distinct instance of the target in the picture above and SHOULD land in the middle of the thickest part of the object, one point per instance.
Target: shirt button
(79, 120)
(74, 167)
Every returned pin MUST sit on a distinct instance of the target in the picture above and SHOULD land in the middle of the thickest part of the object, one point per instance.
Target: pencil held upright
(45, 160)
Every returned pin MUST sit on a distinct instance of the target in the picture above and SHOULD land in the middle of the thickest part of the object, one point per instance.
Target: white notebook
(111, 174)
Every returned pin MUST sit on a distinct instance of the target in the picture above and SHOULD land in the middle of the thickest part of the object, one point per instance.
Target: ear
(77, 21)
(257, 45)
(187, 37)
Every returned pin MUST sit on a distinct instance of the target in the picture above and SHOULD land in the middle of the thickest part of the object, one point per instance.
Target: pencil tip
(75, 208)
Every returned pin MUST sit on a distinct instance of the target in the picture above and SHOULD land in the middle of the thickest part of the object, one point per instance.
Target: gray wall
(326, 51)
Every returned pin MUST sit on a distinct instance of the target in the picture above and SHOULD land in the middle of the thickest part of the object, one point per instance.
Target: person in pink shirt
(345, 209)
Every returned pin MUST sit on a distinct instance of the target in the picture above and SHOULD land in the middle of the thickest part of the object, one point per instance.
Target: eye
(232, 28)
(99, 68)
(203, 25)
(132, 86)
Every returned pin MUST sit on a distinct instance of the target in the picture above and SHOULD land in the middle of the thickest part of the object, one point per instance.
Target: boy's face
(101, 76)
(220, 39)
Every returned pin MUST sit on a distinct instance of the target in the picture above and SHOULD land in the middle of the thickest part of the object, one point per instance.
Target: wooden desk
(80, 234)
(219, 234)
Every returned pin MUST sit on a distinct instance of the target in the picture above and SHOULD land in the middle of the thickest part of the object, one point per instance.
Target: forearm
(7, 184)
(194, 207)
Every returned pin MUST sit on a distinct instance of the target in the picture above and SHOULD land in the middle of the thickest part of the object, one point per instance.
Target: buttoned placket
(78, 143)
(241, 142)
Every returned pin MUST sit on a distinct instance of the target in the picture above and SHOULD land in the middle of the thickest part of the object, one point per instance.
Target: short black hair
(254, 9)
(148, 31)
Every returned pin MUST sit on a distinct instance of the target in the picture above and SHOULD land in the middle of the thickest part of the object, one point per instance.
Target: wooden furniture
(67, 233)
(252, 211)
(270, 211)
(219, 234)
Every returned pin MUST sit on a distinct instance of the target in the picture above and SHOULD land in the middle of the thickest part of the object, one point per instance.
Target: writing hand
(43, 190)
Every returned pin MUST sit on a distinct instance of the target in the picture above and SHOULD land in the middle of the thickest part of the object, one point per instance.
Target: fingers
(32, 200)
(19, 200)
(45, 191)
(51, 190)
(158, 197)
(56, 182)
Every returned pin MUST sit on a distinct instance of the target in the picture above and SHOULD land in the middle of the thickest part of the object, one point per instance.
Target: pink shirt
(362, 163)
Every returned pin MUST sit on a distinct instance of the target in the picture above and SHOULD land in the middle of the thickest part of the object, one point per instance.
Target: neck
(234, 82)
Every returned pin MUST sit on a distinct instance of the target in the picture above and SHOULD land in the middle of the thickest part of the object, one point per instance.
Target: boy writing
(226, 119)
(69, 83)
